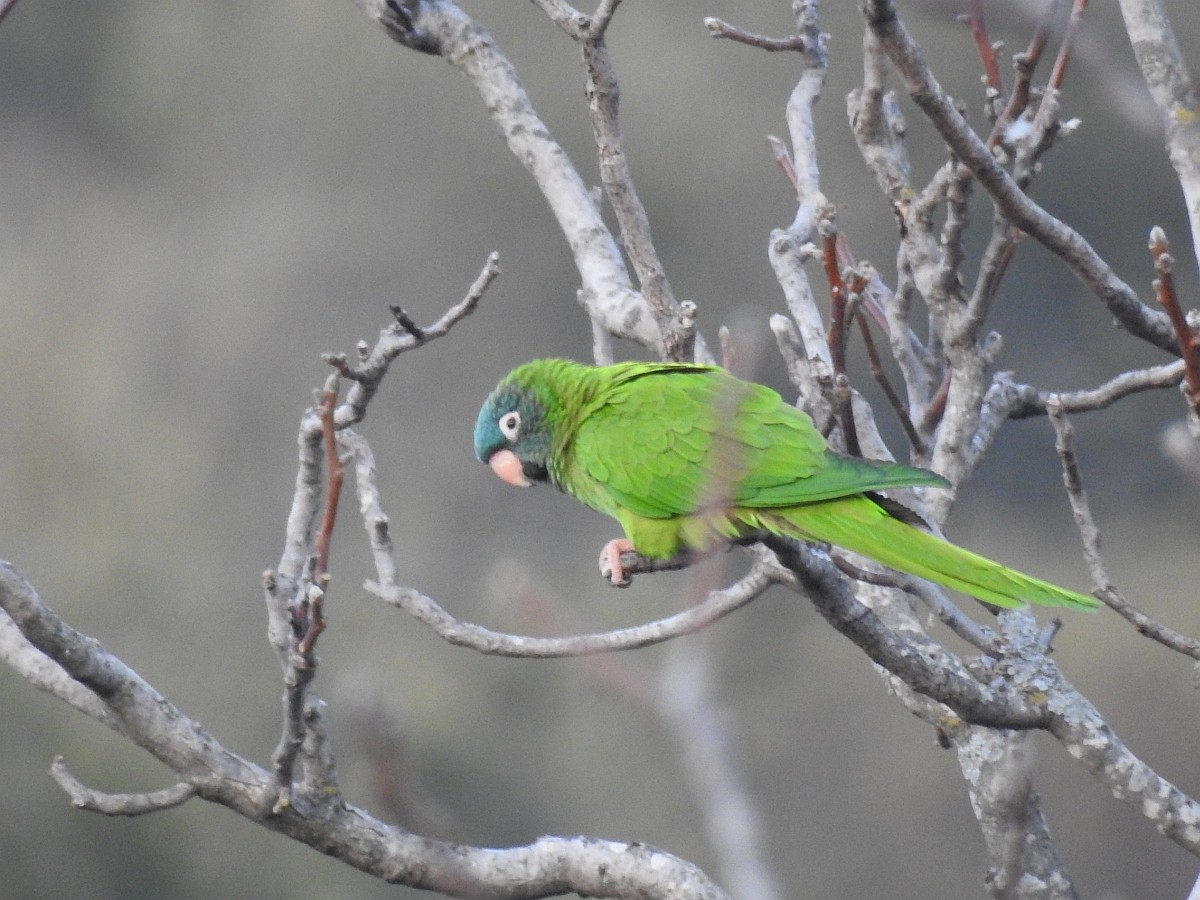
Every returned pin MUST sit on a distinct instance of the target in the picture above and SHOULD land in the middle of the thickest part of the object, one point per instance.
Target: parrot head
(512, 435)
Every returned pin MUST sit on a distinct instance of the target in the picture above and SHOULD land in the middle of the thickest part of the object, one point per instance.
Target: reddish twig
(836, 336)
(1059, 72)
(843, 404)
(308, 615)
(865, 304)
(1026, 63)
(937, 406)
(987, 51)
(314, 605)
(1164, 290)
(728, 351)
(783, 159)
(877, 372)
(333, 463)
(833, 251)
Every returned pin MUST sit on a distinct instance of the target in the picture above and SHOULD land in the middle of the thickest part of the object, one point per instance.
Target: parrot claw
(610, 563)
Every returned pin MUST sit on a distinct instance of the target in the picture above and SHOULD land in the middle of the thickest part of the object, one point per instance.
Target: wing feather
(667, 440)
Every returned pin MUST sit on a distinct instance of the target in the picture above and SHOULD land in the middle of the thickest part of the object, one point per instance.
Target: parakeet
(687, 456)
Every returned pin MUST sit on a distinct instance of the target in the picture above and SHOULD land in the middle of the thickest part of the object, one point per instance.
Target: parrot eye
(510, 425)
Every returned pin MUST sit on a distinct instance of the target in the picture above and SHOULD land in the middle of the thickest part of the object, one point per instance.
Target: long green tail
(862, 526)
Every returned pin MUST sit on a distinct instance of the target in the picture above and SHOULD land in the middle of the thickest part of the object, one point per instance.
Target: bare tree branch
(440, 26)
(45, 674)
(84, 797)
(1164, 290)
(1174, 93)
(1064, 241)
(719, 28)
(1090, 535)
(400, 337)
(737, 830)
(318, 816)
(1028, 401)
(927, 669)
(464, 634)
(983, 700)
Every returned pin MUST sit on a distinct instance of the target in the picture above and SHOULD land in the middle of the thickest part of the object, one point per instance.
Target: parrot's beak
(506, 465)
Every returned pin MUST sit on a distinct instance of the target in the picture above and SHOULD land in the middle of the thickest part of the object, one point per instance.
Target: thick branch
(44, 673)
(142, 714)
(927, 669)
(550, 866)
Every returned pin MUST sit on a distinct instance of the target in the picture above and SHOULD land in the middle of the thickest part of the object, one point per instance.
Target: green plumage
(687, 456)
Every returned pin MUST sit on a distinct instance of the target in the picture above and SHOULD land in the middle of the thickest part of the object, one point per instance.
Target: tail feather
(862, 526)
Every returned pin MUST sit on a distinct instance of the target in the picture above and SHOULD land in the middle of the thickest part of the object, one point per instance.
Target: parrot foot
(610, 562)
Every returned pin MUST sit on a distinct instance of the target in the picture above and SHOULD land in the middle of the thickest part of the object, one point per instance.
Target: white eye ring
(510, 425)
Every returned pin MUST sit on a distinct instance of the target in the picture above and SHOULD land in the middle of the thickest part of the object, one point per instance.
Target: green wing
(664, 440)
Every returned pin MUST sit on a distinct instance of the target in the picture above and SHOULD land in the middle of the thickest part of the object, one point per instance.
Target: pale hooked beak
(508, 467)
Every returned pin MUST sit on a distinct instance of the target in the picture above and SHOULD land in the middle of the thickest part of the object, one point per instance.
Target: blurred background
(197, 199)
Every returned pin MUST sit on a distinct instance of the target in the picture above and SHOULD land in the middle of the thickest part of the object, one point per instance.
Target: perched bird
(687, 456)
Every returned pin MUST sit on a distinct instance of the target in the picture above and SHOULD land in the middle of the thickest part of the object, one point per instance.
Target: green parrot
(687, 456)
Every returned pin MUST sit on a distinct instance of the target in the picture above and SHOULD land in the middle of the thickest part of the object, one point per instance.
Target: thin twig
(875, 365)
(716, 606)
(719, 28)
(840, 320)
(783, 159)
(937, 405)
(993, 264)
(1059, 73)
(333, 477)
(1164, 290)
(946, 612)
(838, 325)
(984, 46)
(84, 797)
(405, 321)
(1089, 533)
(312, 608)
(464, 634)
(399, 337)
(1032, 402)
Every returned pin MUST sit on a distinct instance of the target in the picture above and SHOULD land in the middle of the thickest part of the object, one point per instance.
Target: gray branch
(441, 27)
(1065, 242)
(1174, 93)
(83, 797)
(548, 867)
